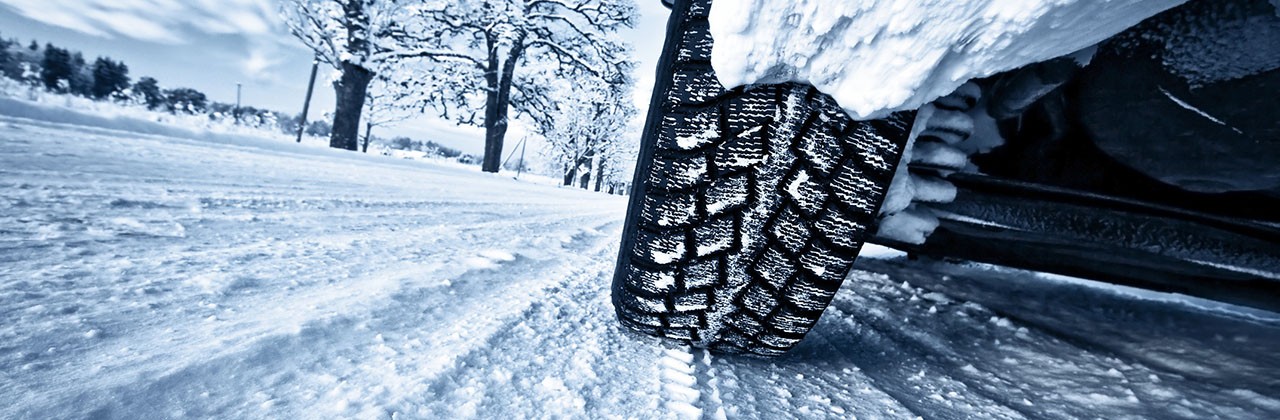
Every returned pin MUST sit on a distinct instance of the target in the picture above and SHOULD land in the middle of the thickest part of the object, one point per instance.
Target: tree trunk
(588, 161)
(368, 134)
(495, 130)
(497, 102)
(350, 90)
(570, 173)
(306, 104)
(599, 174)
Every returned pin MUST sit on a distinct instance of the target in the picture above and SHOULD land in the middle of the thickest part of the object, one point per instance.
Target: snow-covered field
(145, 276)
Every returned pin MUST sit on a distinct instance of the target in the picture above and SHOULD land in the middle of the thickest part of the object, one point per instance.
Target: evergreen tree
(186, 100)
(319, 129)
(56, 69)
(81, 81)
(110, 78)
(6, 59)
(148, 90)
(19, 59)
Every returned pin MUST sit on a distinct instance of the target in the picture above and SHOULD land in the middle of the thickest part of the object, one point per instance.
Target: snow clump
(876, 57)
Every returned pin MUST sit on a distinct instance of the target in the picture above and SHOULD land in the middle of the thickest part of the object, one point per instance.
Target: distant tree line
(431, 149)
(63, 71)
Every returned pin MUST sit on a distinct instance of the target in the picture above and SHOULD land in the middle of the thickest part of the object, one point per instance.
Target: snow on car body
(877, 57)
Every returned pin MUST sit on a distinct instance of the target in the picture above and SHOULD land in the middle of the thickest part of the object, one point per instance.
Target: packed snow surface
(147, 276)
(879, 56)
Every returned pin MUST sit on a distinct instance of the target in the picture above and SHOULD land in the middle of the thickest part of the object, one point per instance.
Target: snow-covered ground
(147, 276)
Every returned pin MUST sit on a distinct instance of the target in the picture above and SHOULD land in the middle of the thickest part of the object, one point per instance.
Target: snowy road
(154, 277)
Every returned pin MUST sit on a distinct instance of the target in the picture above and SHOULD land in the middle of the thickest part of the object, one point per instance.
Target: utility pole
(520, 166)
(306, 104)
(237, 111)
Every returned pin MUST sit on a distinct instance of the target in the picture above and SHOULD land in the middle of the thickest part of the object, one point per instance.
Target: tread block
(790, 231)
(737, 339)
(792, 323)
(694, 87)
(685, 320)
(676, 210)
(643, 305)
(775, 268)
(670, 174)
(757, 106)
(853, 188)
(830, 115)
(642, 328)
(685, 334)
(822, 152)
(746, 323)
(806, 192)
(695, 46)
(658, 282)
(896, 125)
(726, 194)
(768, 351)
(640, 317)
(871, 150)
(661, 248)
(779, 341)
(693, 301)
(714, 236)
(825, 263)
(727, 347)
(841, 229)
(699, 9)
(702, 274)
(759, 301)
(690, 131)
(744, 151)
(807, 295)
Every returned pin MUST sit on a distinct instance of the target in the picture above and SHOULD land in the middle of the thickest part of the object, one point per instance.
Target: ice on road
(144, 276)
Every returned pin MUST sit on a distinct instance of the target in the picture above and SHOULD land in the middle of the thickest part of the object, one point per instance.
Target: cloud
(262, 61)
(160, 21)
(173, 22)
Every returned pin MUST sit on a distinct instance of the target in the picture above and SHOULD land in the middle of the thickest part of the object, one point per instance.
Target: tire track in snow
(901, 372)
(679, 383)
(564, 357)
(866, 323)
(1038, 368)
(808, 382)
(323, 302)
(933, 358)
(461, 316)
(690, 383)
(304, 251)
(709, 381)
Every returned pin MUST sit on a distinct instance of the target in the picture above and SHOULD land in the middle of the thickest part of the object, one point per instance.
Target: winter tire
(749, 205)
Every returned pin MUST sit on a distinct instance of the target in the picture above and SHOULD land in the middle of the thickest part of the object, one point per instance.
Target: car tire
(749, 205)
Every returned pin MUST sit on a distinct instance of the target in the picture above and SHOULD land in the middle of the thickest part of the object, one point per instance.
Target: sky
(213, 45)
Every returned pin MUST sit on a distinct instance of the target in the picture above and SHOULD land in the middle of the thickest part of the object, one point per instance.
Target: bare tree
(345, 34)
(386, 103)
(477, 46)
(585, 125)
